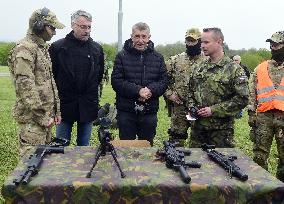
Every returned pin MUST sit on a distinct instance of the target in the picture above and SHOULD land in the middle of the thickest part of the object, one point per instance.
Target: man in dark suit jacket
(78, 65)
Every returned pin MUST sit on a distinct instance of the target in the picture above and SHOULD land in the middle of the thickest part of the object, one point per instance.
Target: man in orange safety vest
(266, 105)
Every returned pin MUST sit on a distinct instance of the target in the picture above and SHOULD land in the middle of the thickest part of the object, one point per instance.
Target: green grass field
(4, 69)
(8, 130)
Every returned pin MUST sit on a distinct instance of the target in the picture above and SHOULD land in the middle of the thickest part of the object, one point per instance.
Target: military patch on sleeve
(242, 78)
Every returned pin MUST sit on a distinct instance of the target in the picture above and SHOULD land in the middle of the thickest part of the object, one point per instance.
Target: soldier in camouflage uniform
(37, 104)
(218, 88)
(266, 106)
(105, 75)
(179, 66)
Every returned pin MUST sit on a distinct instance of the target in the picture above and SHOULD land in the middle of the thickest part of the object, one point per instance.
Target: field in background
(8, 129)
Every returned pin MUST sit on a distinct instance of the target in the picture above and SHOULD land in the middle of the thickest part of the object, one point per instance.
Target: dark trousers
(132, 124)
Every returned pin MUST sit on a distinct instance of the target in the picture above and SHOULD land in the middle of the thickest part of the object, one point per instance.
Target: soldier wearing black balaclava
(179, 67)
(266, 106)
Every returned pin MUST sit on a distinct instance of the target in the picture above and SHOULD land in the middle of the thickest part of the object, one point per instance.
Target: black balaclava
(194, 50)
(278, 55)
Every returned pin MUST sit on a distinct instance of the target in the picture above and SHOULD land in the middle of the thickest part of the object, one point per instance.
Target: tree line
(251, 57)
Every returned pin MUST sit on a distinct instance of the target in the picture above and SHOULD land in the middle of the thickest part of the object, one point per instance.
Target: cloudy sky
(245, 23)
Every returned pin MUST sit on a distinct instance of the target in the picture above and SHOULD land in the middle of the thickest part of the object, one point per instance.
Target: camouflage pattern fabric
(62, 179)
(49, 19)
(178, 67)
(31, 134)
(222, 86)
(36, 93)
(219, 138)
(105, 79)
(268, 124)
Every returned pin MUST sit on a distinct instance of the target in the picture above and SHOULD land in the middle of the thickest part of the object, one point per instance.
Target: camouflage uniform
(266, 125)
(105, 78)
(222, 86)
(36, 93)
(178, 67)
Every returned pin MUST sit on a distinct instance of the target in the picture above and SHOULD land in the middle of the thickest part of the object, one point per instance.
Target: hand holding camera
(195, 113)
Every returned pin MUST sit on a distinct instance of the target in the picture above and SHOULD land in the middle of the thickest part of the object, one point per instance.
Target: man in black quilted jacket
(139, 78)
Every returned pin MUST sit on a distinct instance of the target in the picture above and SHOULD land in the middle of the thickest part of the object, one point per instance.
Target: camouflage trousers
(269, 125)
(179, 124)
(222, 138)
(31, 134)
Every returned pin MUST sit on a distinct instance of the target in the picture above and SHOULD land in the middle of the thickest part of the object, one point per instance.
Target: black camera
(103, 131)
(193, 112)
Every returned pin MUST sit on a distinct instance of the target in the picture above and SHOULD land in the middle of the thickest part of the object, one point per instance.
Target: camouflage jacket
(222, 86)
(36, 92)
(276, 74)
(178, 67)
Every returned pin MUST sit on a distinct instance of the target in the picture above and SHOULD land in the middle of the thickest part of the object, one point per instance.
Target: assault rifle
(226, 162)
(35, 159)
(174, 159)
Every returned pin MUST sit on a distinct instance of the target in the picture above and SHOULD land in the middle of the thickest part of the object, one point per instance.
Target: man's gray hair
(79, 13)
(141, 26)
(217, 32)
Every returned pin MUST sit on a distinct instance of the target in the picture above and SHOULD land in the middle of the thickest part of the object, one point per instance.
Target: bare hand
(50, 123)
(205, 112)
(57, 120)
(145, 93)
(148, 92)
(175, 98)
(141, 99)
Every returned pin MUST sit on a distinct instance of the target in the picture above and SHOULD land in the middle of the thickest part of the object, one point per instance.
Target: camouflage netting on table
(62, 179)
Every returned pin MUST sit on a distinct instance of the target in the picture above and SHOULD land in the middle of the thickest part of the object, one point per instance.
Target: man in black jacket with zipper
(78, 65)
(139, 78)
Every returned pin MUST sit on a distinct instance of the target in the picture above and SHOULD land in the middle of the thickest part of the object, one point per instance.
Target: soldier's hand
(205, 112)
(175, 98)
(50, 123)
(57, 120)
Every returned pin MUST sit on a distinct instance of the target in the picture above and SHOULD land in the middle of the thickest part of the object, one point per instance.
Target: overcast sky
(245, 23)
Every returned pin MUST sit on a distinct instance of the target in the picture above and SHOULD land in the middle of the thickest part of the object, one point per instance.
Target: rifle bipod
(101, 151)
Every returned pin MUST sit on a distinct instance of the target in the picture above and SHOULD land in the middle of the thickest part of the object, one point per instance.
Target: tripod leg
(113, 153)
(98, 154)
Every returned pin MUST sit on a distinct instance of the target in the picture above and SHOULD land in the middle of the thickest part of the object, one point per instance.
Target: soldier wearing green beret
(37, 104)
(218, 88)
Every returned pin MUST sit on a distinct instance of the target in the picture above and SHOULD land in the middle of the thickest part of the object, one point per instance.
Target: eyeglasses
(84, 27)
(51, 27)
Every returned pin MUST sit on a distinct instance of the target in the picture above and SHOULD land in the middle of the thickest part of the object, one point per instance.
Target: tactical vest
(268, 97)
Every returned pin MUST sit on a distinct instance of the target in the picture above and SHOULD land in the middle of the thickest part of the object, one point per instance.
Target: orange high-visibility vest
(268, 97)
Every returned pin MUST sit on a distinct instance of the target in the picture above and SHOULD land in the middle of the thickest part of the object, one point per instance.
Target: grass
(4, 69)
(9, 140)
